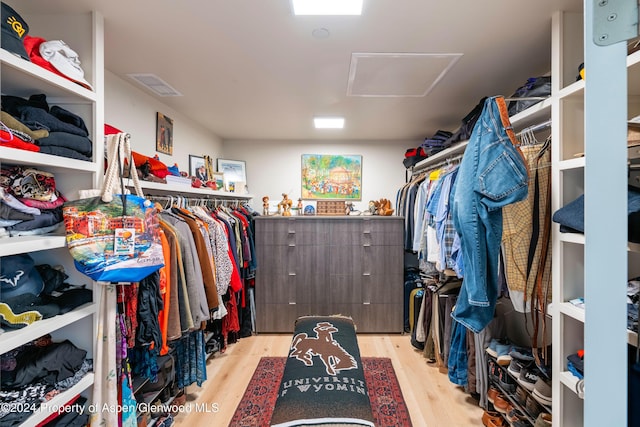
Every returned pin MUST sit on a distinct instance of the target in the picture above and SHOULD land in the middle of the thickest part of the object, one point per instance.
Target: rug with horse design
(324, 381)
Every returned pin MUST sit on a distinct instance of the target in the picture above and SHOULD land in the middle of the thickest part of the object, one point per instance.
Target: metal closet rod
(536, 128)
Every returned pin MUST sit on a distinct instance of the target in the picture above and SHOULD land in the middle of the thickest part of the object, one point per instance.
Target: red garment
(230, 322)
(236, 281)
(8, 139)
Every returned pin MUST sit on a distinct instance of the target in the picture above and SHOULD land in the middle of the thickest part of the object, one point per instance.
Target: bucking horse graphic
(334, 357)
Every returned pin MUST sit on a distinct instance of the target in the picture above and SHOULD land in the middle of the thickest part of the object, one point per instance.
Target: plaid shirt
(517, 229)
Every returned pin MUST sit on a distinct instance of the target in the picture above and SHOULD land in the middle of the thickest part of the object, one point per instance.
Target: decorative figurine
(265, 205)
(299, 211)
(284, 206)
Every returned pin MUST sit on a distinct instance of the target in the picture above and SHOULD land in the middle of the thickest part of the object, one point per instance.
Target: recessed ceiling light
(320, 33)
(327, 7)
(328, 122)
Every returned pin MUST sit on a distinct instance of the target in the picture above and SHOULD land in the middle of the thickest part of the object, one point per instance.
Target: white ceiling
(249, 69)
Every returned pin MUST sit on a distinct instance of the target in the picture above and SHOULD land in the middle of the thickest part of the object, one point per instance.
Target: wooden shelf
(574, 90)
(572, 238)
(51, 406)
(572, 311)
(24, 244)
(571, 164)
(26, 78)
(570, 381)
(180, 190)
(15, 338)
(48, 162)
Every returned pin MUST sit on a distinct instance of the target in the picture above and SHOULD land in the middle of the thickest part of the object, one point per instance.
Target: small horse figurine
(284, 206)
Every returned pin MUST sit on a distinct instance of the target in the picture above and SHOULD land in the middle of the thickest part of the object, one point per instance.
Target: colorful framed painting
(331, 177)
(164, 134)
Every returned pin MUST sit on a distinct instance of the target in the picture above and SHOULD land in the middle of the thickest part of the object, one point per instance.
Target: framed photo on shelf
(331, 177)
(164, 134)
(218, 178)
(197, 168)
(233, 170)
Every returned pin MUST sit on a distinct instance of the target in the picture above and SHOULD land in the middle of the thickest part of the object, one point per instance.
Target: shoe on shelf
(503, 359)
(543, 420)
(533, 407)
(516, 366)
(520, 422)
(542, 392)
(494, 370)
(491, 350)
(492, 393)
(493, 417)
(506, 381)
(498, 348)
(501, 404)
(528, 377)
(521, 353)
(513, 415)
(521, 395)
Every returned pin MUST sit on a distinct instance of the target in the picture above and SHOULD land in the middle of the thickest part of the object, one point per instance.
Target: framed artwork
(233, 170)
(164, 134)
(218, 178)
(197, 168)
(331, 177)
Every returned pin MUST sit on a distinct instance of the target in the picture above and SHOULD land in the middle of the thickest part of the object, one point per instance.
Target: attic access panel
(396, 75)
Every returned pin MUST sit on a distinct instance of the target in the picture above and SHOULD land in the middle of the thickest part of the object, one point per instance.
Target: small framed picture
(218, 178)
(164, 134)
(234, 170)
(197, 168)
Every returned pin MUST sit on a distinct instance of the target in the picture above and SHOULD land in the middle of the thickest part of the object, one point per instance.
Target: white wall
(131, 109)
(273, 167)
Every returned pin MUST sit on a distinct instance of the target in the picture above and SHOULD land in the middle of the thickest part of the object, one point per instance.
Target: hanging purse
(114, 238)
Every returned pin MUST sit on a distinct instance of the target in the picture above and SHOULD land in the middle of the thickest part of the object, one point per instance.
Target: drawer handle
(366, 303)
(292, 274)
(292, 303)
(367, 245)
(291, 232)
(366, 274)
(366, 232)
(292, 245)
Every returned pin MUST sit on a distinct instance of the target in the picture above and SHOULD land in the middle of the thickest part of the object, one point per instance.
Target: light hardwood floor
(432, 400)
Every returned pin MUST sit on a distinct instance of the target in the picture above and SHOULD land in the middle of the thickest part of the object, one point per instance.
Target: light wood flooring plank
(432, 400)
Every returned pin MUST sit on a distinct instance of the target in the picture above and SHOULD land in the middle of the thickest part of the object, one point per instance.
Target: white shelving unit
(158, 188)
(85, 34)
(595, 265)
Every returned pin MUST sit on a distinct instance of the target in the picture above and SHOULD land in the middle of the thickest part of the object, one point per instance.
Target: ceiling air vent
(155, 84)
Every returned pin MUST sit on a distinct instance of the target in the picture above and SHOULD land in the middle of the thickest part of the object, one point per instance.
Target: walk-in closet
(266, 214)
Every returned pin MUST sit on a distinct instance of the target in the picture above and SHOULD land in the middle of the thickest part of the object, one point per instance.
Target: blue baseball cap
(19, 276)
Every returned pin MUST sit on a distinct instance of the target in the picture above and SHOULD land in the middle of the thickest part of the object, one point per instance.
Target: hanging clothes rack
(457, 150)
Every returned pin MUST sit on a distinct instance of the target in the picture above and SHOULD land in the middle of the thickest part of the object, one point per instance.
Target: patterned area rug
(387, 403)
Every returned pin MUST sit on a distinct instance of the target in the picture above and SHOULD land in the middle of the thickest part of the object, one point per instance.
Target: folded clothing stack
(35, 372)
(30, 204)
(571, 216)
(30, 292)
(436, 143)
(32, 125)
